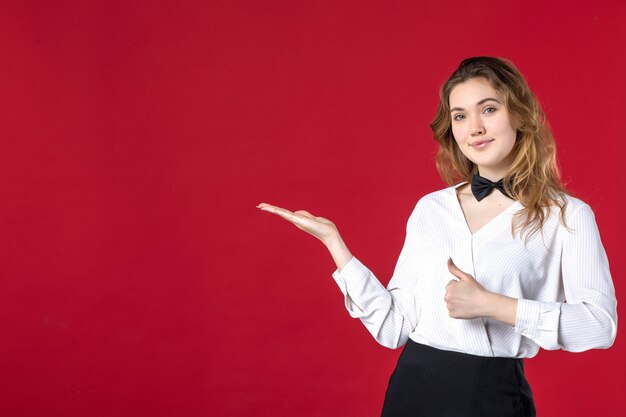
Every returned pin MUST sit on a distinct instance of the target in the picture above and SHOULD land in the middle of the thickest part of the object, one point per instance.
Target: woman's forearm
(500, 307)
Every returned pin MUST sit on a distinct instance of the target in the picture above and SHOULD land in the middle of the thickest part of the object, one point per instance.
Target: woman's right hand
(320, 227)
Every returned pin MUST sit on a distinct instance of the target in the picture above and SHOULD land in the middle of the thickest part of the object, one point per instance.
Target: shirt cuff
(352, 273)
(358, 290)
(539, 322)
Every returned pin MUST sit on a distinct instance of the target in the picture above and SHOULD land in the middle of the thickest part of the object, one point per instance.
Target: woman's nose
(477, 127)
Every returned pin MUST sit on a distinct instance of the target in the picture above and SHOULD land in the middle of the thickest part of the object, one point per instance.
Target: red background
(137, 137)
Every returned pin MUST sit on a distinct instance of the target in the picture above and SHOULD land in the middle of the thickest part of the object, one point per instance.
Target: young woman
(494, 267)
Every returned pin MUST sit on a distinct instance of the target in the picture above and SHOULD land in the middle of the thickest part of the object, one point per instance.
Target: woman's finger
(299, 218)
(275, 209)
(454, 270)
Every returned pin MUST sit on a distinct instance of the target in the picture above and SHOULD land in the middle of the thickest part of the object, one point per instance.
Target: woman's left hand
(464, 297)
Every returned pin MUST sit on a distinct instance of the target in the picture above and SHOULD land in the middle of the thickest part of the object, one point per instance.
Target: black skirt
(429, 382)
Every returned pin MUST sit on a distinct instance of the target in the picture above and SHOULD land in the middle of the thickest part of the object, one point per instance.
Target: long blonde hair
(533, 178)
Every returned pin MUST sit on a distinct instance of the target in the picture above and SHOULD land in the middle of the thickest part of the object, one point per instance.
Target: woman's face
(481, 127)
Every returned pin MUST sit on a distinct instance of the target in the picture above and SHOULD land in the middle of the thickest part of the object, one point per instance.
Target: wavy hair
(534, 177)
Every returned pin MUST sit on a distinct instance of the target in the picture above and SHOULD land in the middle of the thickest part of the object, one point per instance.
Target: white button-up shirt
(560, 277)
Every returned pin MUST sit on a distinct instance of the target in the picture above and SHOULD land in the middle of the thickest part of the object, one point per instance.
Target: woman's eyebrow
(483, 101)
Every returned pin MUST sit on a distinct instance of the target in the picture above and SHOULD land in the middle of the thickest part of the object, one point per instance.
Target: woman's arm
(389, 314)
(588, 320)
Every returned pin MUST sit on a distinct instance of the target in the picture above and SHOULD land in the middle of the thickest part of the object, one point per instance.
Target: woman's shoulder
(434, 207)
(574, 213)
(437, 201)
(574, 205)
(440, 196)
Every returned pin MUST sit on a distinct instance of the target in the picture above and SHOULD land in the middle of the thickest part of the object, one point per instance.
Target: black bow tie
(482, 187)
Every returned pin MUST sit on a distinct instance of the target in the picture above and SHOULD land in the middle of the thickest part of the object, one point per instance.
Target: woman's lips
(479, 144)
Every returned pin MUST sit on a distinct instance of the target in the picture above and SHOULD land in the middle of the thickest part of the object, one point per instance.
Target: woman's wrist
(500, 307)
(338, 250)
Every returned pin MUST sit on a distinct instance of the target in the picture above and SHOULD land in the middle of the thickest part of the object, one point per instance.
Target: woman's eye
(458, 117)
(489, 110)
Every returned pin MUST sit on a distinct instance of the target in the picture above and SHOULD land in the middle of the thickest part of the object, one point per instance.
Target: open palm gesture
(320, 227)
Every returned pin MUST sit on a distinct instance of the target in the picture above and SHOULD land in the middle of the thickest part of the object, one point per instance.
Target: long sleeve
(389, 314)
(559, 276)
(588, 318)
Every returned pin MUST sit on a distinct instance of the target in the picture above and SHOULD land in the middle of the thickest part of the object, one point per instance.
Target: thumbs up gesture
(464, 297)
(467, 299)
